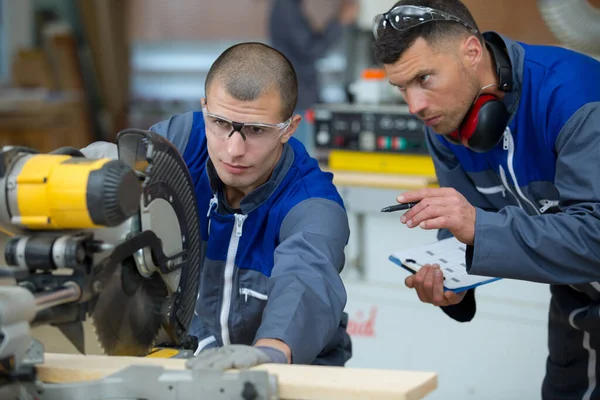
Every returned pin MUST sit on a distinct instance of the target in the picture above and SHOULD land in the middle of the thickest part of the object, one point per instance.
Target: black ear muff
(485, 122)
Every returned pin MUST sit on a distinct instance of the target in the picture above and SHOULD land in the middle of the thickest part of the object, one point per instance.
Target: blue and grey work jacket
(270, 268)
(547, 161)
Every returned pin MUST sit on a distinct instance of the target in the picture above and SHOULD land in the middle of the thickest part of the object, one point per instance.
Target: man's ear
(291, 129)
(472, 51)
(203, 102)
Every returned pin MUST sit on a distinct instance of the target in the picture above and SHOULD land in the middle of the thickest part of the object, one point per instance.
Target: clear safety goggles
(403, 18)
(224, 128)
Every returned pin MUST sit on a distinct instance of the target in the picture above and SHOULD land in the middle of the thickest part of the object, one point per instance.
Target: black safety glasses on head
(403, 18)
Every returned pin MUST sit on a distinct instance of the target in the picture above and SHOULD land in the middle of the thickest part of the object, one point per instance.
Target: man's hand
(236, 356)
(440, 208)
(429, 284)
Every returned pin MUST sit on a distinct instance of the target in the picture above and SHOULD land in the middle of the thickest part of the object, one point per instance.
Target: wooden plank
(385, 181)
(295, 381)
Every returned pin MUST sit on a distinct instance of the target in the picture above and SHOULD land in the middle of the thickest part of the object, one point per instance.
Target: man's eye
(219, 122)
(424, 78)
(257, 130)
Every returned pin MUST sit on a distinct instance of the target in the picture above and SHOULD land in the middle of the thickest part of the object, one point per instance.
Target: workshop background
(76, 71)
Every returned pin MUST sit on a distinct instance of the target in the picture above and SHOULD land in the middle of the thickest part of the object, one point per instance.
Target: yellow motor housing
(52, 191)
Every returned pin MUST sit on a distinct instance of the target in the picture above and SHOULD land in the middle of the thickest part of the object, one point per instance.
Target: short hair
(248, 70)
(391, 44)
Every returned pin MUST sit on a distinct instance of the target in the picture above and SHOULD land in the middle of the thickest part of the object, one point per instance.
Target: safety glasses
(403, 18)
(224, 128)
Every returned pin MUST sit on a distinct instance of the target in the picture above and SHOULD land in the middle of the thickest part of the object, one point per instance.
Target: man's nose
(236, 145)
(417, 102)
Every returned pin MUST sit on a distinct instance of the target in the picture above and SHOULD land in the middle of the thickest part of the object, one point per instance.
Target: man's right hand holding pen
(438, 208)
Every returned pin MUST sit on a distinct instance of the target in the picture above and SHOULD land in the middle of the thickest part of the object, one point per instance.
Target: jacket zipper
(547, 204)
(505, 183)
(236, 233)
(252, 293)
(509, 145)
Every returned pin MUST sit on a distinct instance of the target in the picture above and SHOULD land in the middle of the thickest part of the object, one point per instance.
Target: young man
(514, 132)
(273, 224)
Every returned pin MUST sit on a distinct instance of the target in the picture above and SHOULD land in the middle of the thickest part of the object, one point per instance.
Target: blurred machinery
(380, 138)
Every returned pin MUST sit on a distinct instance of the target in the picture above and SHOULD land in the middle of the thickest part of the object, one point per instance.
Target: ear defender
(483, 125)
(485, 122)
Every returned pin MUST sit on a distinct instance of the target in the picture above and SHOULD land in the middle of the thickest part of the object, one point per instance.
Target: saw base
(155, 382)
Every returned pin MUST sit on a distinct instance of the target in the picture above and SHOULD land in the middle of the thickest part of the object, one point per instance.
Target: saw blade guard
(162, 250)
(168, 207)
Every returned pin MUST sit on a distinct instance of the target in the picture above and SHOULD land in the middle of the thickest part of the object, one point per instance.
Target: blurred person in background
(305, 30)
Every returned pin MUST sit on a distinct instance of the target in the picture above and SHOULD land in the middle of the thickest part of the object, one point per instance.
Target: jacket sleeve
(561, 248)
(305, 291)
(176, 130)
(289, 22)
(450, 174)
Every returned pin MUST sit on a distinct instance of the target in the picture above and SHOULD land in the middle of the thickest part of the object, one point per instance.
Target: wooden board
(295, 381)
(384, 181)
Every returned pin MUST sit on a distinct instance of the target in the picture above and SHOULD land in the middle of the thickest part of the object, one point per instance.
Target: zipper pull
(213, 201)
(239, 222)
(547, 204)
(505, 140)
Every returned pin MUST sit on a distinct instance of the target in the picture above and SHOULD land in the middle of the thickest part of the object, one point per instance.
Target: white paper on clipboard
(449, 254)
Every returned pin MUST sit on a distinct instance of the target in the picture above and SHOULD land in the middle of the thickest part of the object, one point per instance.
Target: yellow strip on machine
(385, 163)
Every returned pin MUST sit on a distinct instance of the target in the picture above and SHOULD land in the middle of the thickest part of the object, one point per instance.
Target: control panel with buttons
(370, 128)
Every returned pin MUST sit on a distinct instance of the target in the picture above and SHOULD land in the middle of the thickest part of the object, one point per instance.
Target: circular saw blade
(167, 180)
(127, 313)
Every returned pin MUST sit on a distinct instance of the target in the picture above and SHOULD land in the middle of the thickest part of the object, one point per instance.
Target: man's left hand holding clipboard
(429, 284)
(437, 208)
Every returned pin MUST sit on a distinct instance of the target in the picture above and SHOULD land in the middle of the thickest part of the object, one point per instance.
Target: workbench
(381, 181)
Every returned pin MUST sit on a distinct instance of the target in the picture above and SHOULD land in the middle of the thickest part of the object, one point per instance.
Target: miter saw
(113, 239)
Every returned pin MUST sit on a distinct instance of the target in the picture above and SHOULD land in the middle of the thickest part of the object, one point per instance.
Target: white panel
(369, 9)
(500, 355)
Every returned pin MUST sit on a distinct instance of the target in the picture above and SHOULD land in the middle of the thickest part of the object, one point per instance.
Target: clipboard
(449, 254)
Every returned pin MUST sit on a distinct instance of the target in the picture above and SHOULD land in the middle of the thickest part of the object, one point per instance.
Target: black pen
(399, 207)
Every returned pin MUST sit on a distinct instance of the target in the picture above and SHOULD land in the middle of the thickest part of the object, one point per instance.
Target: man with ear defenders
(514, 133)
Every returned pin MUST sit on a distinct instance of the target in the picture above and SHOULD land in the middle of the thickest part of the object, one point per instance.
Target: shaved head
(249, 70)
